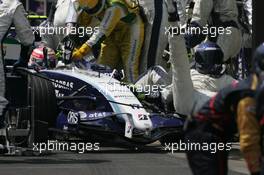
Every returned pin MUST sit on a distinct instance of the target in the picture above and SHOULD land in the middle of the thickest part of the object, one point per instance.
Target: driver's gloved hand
(81, 52)
(68, 49)
(24, 57)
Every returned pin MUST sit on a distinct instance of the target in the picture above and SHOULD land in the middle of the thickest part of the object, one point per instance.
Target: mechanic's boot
(3, 141)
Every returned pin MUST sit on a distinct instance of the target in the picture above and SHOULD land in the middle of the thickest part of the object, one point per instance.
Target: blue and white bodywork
(92, 101)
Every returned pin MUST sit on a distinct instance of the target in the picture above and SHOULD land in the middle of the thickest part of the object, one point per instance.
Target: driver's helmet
(37, 59)
(92, 7)
(209, 59)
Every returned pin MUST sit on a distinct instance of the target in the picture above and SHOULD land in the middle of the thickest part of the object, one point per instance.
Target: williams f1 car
(89, 103)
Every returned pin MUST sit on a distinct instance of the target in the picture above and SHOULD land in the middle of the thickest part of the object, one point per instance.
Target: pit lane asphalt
(109, 161)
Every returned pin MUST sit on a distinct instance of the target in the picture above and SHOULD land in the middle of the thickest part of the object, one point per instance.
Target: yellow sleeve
(249, 131)
(110, 19)
(84, 19)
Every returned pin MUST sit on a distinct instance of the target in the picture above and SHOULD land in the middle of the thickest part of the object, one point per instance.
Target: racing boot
(3, 140)
(24, 57)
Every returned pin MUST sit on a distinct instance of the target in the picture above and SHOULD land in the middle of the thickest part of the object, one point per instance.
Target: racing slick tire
(43, 108)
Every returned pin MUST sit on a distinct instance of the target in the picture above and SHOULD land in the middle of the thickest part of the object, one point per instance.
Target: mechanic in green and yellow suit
(120, 34)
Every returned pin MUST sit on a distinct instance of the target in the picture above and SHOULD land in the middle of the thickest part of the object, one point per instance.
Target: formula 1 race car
(94, 104)
(90, 104)
(81, 103)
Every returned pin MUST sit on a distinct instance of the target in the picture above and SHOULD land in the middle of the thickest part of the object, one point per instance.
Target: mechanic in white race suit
(58, 20)
(12, 11)
(156, 20)
(188, 89)
(216, 14)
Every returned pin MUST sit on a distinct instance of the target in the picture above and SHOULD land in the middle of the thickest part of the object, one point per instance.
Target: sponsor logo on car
(72, 118)
(61, 84)
(142, 117)
(82, 115)
(58, 93)
(97, 115)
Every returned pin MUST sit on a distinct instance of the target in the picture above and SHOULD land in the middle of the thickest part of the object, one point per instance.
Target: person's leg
(3, 103)
(109, 54)
(131, 48)
(204, 160)
(156, 75)
(155, 41)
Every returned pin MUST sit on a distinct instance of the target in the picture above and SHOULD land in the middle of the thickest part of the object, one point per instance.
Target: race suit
(12, 11)
(59, 20)
(64, 23)
(156, 40)
(121, 37)
(188, 89)
(201, 89)
(218, 13)
(213, 127)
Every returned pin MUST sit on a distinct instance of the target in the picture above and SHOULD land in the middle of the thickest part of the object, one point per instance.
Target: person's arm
(110, 19)
(249, 131)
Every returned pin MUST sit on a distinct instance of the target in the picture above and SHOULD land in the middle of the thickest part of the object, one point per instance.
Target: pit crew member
(156, 40)
(207, 77)
(121, 34)
(213, 15)
(217, 121)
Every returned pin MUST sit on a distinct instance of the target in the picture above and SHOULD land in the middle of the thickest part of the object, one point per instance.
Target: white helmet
(37, 58)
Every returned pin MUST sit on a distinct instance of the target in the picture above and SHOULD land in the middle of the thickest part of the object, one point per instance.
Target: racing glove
(81, 52)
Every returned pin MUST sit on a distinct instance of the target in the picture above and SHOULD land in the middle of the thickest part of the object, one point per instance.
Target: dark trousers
(203, 161)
